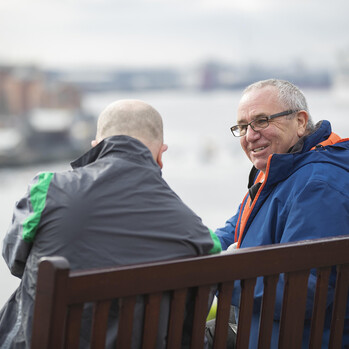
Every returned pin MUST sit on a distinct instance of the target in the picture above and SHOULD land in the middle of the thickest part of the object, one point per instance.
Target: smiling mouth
(256, 150)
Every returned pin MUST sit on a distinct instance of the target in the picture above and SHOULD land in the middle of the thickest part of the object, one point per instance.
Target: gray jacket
(113, 208)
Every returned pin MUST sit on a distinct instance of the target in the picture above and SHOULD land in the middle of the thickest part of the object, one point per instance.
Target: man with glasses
(298, 187)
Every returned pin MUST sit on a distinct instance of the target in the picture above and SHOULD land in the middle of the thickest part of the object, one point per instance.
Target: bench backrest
(61, 294)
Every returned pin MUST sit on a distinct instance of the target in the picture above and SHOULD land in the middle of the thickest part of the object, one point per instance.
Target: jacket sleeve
(15, 249)
(226, 234)
(26, 219)
(320, 210)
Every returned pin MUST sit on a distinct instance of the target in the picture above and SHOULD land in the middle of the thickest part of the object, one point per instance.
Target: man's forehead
(258, 102)
(266, 94)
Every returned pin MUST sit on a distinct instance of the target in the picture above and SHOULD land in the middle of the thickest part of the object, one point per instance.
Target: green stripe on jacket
(38, 194)
(217, 247)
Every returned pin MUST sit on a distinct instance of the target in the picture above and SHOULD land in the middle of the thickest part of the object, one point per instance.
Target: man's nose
(251, 134)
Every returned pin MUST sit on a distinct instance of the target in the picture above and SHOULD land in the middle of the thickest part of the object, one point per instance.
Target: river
(204, 163)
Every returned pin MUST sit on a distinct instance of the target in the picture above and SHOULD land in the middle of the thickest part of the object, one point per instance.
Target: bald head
(134, 118)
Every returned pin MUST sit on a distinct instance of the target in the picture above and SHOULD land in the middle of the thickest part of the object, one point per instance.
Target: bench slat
(293, 310)
(99, 324)
(125, 328)
(223, 310)
(319, 308)
(73, 326)
(267, 312)
(339, 307)
(245, 312)
(200, 314)
(175, 327)
(151, 320)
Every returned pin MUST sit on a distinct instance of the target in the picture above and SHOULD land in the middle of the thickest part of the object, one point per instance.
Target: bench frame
(61, 293)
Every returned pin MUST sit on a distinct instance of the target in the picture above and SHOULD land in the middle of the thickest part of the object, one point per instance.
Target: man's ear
(302, 120)
(163, 148)
(94, 143)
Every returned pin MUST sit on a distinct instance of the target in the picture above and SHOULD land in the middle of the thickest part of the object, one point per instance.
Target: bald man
(136, 119)
(113, 208)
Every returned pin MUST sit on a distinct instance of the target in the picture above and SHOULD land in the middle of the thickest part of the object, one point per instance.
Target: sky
(165, 33)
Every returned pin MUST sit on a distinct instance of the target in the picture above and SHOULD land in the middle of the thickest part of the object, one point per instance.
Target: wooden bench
(61, 294)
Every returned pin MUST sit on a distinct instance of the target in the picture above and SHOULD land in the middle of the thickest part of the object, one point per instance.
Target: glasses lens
(260, 123)
(238, 130)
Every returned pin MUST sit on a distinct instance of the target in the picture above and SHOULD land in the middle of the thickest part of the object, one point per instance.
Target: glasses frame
(267, 118)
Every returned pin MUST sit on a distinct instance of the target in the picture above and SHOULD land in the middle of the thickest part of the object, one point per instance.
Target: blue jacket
(305, 195)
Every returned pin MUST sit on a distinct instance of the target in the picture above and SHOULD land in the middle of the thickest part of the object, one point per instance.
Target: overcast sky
(60, 33)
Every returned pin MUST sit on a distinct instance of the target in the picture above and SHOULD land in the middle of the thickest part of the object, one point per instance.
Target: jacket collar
(321, 132)
(118, 146)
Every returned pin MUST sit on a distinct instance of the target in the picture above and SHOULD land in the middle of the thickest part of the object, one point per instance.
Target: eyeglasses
(258, 124)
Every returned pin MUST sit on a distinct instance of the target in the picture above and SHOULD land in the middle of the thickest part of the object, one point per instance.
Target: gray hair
(289, 95)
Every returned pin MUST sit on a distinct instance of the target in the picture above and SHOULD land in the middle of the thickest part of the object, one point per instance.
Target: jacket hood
(283, 165)
(321, 132)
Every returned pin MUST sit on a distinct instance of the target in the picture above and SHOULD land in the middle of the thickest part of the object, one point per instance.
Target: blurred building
(23, 89)
(41, 118)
